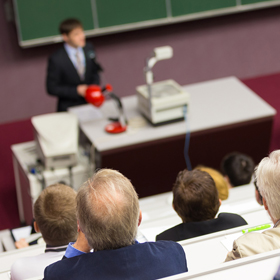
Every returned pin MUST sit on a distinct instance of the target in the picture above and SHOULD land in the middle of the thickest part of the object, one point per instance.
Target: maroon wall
(244, 45)
(11, 133)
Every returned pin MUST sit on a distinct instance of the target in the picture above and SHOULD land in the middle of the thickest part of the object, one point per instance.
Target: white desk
(213, 104)
(224, 116)
(258, 267)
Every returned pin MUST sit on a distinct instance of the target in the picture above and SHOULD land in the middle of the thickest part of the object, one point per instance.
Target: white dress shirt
(71, 51)
(29, 267)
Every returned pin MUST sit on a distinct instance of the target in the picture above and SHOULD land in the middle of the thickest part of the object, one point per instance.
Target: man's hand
(21, 243)
(81, 89)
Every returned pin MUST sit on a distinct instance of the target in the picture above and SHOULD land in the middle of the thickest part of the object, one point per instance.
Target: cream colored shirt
(253, 243)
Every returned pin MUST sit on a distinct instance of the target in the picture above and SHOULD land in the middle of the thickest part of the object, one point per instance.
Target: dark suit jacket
(63, 78)
(193, 229)
(150, 260)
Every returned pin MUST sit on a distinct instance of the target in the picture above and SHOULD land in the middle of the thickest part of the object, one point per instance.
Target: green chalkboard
(38, 20)
(118, 12)
(41, 18)
(245, 2)
(183, 7)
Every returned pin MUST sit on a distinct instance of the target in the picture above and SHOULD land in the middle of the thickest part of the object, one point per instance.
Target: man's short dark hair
(68, 25)
(195, 196)
(238, 167)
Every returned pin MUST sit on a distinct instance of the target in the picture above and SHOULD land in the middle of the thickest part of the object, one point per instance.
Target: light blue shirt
(72, 252)
(72, 54)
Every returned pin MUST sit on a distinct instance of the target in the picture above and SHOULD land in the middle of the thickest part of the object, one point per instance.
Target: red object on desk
(95, 96)
(115, 128)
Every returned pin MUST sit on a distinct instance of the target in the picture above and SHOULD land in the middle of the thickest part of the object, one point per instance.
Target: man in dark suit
(196, 201)
(73, 67)
(108, 214)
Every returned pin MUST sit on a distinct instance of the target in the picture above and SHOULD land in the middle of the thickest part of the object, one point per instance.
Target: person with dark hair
(55, 217)
(108, 215)
(196, 201)
(238, 169)
(73, 67)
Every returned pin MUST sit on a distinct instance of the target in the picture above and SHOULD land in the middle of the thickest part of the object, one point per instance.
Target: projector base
(164, 122)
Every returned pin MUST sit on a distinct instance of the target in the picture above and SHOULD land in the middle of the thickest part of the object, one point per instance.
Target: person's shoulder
(60, 267)
(171, 233)
(272, 233)
(163, 245)
(170, 252)
(23, 267)
(20, 264)
(18, 268)
(24, 262)
(232, 217)
(165, 251)
(262, 241)
(57, 54)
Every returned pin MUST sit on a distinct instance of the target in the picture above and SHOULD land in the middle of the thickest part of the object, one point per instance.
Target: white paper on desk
(22, 232)
(86, 113)
(229, 239)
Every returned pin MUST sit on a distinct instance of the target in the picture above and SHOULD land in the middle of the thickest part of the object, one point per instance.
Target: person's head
(238, 169)
(258, 195)
(268, 180)
(219, 180)
(55, 215)
(108, 210)
(195, 196)
(72, 32)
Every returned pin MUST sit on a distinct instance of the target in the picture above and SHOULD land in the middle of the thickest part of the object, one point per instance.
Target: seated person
(238, 169)
(55, 217)
(196, 201)
(219, 180)
(268, 178)
(108, 214)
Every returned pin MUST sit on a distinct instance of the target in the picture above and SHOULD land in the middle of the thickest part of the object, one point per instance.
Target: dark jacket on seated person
(196, 201)
(150, 260)
(193, 229)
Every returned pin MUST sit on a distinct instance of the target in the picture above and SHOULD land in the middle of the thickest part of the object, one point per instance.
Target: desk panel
(153, 166)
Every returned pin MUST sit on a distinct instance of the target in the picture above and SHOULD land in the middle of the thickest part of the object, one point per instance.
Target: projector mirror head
(162, 53)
